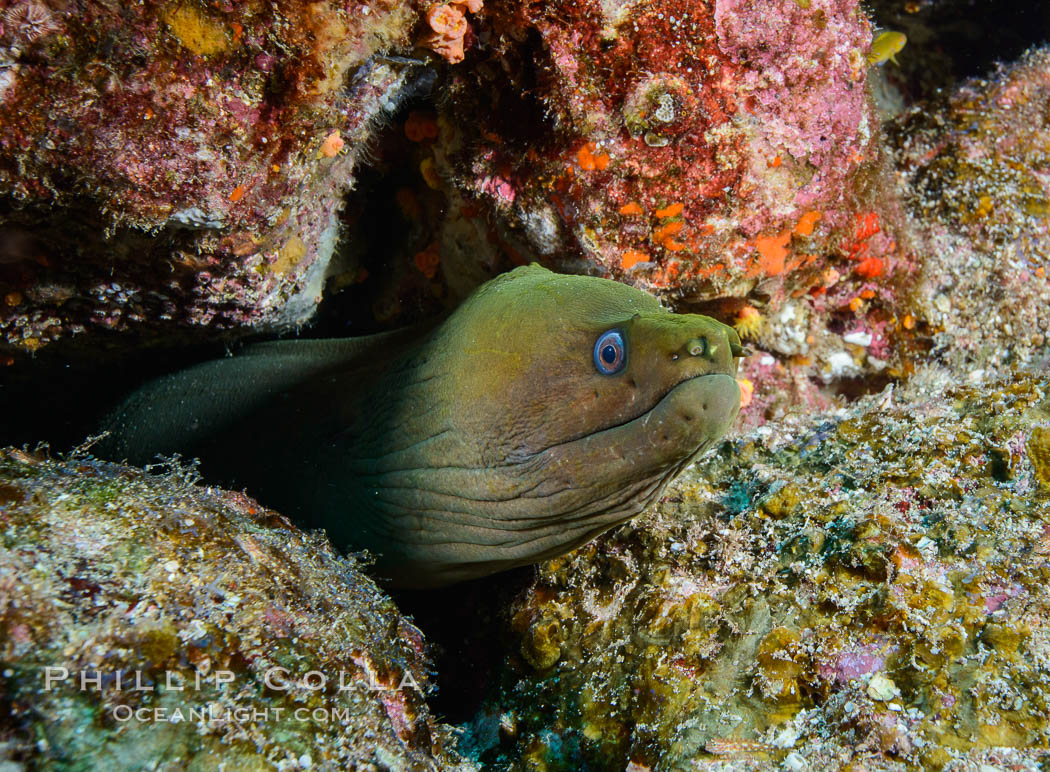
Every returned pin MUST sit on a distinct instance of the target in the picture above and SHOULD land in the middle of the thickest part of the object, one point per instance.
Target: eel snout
(714, 400)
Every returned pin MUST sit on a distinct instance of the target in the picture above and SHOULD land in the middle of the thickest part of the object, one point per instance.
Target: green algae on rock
(866, 587)
(145, 620)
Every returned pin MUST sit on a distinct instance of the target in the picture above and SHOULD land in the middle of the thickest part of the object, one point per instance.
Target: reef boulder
(975, 174)
(175, 168)
(147, 620)
(691, 148)
(179, 167)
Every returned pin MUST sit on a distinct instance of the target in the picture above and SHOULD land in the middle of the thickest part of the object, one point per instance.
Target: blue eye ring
(610, 353)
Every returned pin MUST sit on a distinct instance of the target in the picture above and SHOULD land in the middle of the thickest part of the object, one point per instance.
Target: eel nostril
(697, 347)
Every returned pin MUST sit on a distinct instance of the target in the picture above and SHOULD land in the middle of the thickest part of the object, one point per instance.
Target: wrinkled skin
(489, 442)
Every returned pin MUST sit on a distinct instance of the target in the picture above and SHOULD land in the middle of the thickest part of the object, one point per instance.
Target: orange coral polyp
(427, 261)
(333, 144)
(664, 232)
(588, 161)
(632, 257)
(870, 267)
(747, 390)
(449, 25)
(867, 226)
(450, 49)
(671, 210)
(471, 5)
(773, 251)
(806, 223)
(420, 126)
(447, 20)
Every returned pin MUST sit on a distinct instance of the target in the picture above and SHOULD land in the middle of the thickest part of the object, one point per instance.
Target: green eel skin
(488, 442)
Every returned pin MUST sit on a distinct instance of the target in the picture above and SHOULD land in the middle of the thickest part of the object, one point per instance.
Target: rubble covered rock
(145, 619)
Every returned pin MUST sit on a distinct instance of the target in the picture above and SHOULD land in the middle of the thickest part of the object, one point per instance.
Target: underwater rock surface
(972, 182)
(844, 583)
(976, 178)
(175, 166)
(689, 148)
(194, 598)
(864, 587)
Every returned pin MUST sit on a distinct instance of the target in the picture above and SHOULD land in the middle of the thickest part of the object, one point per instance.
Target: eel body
(543, 411)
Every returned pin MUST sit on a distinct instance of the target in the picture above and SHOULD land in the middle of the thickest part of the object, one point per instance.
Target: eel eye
(610, 353)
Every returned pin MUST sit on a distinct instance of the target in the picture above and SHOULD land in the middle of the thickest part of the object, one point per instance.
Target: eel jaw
(592, 484)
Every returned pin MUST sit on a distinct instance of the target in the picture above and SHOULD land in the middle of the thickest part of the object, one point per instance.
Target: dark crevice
(464, 627)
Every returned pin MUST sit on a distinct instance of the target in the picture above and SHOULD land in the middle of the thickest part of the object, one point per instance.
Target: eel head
(564, 404)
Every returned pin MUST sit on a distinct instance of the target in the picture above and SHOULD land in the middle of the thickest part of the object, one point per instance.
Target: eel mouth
(590, 484)
(717, 398)
(691, 413)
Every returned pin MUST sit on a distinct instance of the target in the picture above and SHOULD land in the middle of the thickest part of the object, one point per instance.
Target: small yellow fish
(885, 45)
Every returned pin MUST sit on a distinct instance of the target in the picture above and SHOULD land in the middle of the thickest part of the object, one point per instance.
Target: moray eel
(543, 411)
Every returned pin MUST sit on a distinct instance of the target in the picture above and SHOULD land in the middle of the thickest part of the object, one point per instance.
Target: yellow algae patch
(430, 174)
(785, 502)
(1006, 735)
(1039, 453)
(289, 255)
(199, 33)
(984, 206)
(541, 646)
(330, 35)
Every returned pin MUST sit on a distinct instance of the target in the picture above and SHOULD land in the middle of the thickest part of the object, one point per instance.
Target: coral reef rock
(976, 177)
(700, 148)
(866, 587)
(973, 182)
(145, 620)
(176, 167)
(179, 166)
